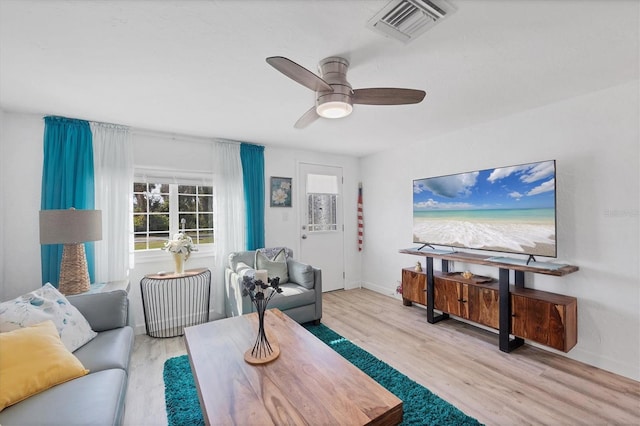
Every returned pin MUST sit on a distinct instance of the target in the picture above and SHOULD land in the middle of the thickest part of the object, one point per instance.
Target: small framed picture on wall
(280, 191)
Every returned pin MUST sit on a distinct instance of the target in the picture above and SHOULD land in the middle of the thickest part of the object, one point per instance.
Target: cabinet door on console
(518, 316)
(414, 285)
(484, 306)
(530, 318)
(447, 296)
(546, 322)
(468, 301)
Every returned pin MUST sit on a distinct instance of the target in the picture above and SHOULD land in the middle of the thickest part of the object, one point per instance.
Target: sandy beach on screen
(533, 237)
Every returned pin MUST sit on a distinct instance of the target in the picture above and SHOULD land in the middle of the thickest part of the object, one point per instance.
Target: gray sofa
(97, 398)
(301, 296)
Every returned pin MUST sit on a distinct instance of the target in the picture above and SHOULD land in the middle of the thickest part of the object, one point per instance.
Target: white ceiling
(198, 67)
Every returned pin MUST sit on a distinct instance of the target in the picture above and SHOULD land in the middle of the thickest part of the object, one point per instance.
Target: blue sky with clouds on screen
(527, 186)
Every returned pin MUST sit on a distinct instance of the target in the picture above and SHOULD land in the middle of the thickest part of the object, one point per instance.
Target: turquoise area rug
(421, 407)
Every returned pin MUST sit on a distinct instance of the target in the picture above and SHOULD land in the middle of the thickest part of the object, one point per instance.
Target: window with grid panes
(195, 212)
(161, 210)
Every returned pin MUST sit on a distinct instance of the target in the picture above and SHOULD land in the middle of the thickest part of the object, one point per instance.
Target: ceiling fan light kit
(334, 109)
(334, 95)
(337, 103)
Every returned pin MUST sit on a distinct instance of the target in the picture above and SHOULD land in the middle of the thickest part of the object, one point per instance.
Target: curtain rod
(161, 134)
(115, 126)
(152, 169)
(180, 136)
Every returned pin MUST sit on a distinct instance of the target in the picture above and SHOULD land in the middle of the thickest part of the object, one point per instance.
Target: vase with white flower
(181, 247)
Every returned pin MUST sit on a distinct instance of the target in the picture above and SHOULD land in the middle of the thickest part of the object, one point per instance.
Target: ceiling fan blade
(307, 118)
(299, 73)
(387, 96)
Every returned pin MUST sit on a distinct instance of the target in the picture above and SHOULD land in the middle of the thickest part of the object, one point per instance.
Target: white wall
(21, 177)
(595, 140)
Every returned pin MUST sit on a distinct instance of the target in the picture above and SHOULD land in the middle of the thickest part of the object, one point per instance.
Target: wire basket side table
(172, 302)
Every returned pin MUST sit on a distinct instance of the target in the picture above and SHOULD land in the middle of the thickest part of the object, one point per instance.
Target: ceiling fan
(334, 95)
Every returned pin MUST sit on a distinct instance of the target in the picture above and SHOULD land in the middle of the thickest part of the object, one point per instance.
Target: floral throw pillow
(47, 303)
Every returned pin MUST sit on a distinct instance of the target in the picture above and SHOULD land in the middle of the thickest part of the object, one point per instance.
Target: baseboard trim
(378, 289)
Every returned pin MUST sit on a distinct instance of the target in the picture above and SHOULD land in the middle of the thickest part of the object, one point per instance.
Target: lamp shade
(70, 226)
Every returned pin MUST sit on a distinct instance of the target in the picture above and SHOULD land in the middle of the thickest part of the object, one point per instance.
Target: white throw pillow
(47, 303)
(276, 267)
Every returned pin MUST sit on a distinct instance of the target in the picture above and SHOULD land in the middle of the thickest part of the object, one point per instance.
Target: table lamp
(72, 228)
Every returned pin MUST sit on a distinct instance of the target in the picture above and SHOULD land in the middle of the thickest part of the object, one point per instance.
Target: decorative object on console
(280, 191)
(260, 294)
(470, 276)
(181, 247)
(72, 228)
(418, 267)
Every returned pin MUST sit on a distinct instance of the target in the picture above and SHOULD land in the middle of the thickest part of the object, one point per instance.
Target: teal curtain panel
(252, 158)
(67, 181)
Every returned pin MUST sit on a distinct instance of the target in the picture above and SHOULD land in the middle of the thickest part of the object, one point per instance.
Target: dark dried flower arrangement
(261, 293)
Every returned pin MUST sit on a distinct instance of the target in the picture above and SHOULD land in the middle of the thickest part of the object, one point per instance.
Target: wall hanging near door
(280, 191)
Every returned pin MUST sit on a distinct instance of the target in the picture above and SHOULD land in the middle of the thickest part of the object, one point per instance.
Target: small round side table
(172, 302)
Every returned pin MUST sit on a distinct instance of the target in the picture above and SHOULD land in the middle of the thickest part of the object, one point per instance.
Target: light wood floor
(458, 362)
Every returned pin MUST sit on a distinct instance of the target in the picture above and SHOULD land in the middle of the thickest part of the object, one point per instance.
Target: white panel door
(321, 222)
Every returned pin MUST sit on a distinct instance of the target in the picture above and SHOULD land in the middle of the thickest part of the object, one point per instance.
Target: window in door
(322, 203)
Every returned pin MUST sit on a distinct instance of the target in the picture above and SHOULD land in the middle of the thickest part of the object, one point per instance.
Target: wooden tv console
(543, 317)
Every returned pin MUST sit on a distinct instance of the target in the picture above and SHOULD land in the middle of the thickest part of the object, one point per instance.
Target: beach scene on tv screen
(507, 209)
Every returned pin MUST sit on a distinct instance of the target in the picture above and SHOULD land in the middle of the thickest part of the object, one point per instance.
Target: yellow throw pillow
(34, 359)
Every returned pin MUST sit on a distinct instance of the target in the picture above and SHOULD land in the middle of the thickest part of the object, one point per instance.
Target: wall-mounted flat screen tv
(507, 209)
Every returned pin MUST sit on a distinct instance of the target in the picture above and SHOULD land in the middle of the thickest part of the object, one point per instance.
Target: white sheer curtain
(229, 226)
(113, 164)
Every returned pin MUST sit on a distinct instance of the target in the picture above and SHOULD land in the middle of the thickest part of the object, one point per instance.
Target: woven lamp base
(74, 272)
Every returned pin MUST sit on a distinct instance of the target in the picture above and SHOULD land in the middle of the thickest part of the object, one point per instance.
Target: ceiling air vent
(405, 20)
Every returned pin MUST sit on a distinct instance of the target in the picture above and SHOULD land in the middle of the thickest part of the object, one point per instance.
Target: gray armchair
(301, 296)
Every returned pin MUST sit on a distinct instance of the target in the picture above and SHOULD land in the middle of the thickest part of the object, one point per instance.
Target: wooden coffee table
(309, 383)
